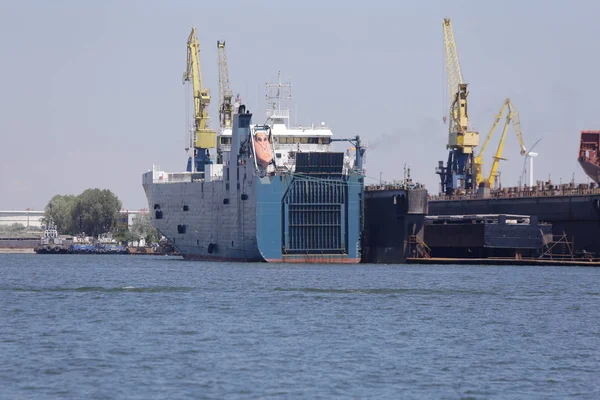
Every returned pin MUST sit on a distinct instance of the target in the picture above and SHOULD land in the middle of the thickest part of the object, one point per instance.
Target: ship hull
(247, 218)
(589, 154)
(592, 170)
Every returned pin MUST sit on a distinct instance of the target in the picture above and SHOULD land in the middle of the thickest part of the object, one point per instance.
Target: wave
(386, 291)
(95, 289)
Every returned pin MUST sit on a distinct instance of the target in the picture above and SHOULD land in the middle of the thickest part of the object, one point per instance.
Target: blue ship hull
(315, 219)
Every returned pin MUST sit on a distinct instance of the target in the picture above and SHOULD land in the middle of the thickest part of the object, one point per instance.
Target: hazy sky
(91, 92)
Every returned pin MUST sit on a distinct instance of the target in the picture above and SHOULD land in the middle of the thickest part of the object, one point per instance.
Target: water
(138, 327)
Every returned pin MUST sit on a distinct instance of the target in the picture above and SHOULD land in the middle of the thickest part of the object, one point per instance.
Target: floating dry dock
(505, 261)
(485, 236)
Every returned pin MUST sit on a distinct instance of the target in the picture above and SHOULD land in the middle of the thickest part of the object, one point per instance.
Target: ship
(51, 242)
(589, 155)
(276, 193)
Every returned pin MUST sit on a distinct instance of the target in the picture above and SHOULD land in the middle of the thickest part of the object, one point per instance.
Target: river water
(141, 327)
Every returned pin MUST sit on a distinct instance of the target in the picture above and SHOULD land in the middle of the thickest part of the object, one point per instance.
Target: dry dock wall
(391, 216)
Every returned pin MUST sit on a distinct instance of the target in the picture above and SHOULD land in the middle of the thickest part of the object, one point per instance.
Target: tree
(94, 211)
(141, 228)
(124, 235)
(60, 209)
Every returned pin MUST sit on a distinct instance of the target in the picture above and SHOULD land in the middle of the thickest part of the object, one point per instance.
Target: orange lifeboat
(262, 148)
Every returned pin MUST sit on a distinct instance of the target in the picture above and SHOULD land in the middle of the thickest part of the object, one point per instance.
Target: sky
(91, 94)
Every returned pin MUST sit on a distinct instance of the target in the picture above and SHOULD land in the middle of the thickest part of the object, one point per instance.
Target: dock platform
(505, 261)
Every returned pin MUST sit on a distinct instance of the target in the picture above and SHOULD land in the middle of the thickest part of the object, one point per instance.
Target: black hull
(51, 250)
(578, 215)
(391, 217)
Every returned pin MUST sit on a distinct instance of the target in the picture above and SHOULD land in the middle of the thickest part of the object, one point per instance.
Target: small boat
(82, 244)
(106, 244)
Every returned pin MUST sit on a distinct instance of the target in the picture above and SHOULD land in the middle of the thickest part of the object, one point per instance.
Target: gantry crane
(511, 116)
(225, 95)
(459, 170)
(204, 138)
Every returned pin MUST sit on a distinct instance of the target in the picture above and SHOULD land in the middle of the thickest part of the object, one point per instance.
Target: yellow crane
(458, 173)
(511, 116)
(225, 95)
(204, 137)
(459, 135)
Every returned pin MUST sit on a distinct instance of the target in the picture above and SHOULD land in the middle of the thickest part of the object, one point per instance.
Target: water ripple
(85, 289)
(387, 291)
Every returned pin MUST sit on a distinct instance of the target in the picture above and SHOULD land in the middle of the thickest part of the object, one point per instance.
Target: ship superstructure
(276, 194)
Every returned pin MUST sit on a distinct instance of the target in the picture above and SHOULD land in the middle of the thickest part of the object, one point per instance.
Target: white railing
(278, 114)
(179, 177)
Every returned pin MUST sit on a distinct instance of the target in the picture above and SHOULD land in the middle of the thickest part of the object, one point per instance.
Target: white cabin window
(303, 140)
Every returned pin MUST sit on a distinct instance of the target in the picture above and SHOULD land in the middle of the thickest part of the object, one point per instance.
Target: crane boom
(204, 137)
(512, 116)
(498, 156)
(459, 136)
(479, 159)
(452, 64)
(225, 95)
(516, 120)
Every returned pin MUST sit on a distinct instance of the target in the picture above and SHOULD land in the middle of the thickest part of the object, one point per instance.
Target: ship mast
(278, 95)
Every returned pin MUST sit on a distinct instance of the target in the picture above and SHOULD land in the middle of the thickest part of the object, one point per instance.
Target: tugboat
(51, 243)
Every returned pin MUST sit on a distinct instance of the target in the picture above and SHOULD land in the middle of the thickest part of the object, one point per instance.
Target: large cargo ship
(275, 194)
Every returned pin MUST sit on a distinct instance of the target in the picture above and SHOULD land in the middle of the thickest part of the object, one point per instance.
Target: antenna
(278, 97)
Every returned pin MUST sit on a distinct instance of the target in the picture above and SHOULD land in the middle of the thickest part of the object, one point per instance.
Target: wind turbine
(529, 155)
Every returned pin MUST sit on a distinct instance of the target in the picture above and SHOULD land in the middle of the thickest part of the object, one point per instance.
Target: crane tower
(225, 95)
(203, 138)
(458, 174)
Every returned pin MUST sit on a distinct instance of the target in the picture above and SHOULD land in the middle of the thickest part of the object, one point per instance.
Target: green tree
(60, 209)
(141, 228)
(94, 211)
(124, 235)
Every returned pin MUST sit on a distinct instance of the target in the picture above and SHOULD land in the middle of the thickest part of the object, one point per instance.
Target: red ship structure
(589, 154)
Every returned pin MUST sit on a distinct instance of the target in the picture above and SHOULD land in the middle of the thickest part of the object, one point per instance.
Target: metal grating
(315, 217)
(319, 163)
